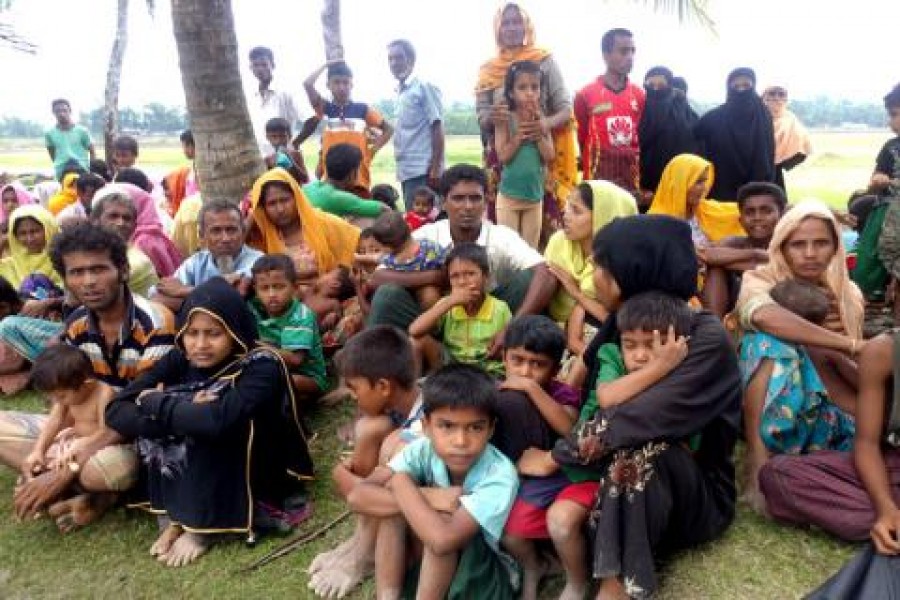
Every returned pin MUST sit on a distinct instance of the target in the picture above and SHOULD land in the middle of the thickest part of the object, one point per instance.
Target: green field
(755, 559)
(841, 163)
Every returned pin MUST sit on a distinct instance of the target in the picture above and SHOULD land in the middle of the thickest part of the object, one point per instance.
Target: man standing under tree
(419, 134)
(267, 101)
(608, 112)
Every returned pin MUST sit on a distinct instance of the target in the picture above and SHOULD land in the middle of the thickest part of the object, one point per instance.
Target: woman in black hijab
(666, 129)
(738, 138)
(217, 426)
(656, 495)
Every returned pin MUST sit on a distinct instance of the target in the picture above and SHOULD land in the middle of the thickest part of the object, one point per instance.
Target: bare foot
(531, 579)
(752, 495)
(80, 510)
(342, 575)
(186, 549)
(164, 542)
(612, 588)
(572, 592)
(324, 560)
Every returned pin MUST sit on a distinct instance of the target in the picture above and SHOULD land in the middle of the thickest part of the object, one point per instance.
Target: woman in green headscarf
(591, 206)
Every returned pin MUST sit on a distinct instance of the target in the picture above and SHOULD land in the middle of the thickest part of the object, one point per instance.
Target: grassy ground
(842, 161)
(755, 559)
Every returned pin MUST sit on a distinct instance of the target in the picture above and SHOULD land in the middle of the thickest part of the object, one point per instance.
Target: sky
(809, 46)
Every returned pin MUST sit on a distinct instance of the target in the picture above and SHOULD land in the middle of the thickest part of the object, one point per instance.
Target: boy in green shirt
(287, 324)
(68, 141)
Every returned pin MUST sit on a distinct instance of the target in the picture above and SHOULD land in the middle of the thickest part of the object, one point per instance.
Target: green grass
(841, 163)
(755, 559)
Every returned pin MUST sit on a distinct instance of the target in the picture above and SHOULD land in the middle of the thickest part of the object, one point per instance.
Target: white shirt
(508, 253)
(268, 104)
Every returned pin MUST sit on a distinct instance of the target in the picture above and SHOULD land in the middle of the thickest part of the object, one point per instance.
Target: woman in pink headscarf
(12, 196)
(149, 234)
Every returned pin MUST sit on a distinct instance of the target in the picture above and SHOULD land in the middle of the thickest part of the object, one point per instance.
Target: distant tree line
(459, 117)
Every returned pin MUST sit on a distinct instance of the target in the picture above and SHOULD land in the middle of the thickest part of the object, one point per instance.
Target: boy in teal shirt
(287, 324)
(67, 141)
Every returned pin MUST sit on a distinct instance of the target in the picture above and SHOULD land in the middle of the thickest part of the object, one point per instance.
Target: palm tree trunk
(331, 30)
(227, 160)
(113, 80)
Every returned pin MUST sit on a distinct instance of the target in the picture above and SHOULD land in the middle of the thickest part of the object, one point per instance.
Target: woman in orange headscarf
(514, 35)
(286, 222)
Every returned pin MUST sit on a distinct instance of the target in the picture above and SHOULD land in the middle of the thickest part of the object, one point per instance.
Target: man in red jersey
(608, 112)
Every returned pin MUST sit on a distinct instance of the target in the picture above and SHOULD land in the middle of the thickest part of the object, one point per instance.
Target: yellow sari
(717, 220)
(331, 239)
(20, 264)
(67, 194)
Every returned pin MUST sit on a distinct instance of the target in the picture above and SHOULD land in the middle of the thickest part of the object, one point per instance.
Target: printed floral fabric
(798, 416)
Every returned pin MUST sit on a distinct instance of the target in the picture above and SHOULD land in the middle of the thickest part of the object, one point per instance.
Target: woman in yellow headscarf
(515, 39)
(286, 222)
(682, 192)
(31, 228)
(67, 194)
(590, 207)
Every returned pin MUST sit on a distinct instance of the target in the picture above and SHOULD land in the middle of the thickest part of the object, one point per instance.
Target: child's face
(637, 349)
(124, 159)
(466, 274)
(422, 205)
(31, 234)
(206, 341)
(63, 114)
(371, 396)
(527, 91)
(894, 119)
(86, 196)
(340, 87)
(759, 216)
(67, 397)
(189, 149)
(278, 139)
(520, 362)
(10, 201)
(275, 292)
(459, 436)
(370, 245)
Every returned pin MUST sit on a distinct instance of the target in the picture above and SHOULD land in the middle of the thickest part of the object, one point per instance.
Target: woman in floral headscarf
(514, 35)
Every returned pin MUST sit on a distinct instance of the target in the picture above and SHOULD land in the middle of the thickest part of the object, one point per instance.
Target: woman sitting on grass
(217, 427)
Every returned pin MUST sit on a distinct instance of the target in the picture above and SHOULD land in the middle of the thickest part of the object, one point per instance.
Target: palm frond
(9, 38)
(687, 11)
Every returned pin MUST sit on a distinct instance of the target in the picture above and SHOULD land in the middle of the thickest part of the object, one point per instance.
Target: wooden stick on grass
(295, 543)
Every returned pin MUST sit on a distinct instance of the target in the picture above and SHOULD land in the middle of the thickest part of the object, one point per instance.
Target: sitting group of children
(453, 492)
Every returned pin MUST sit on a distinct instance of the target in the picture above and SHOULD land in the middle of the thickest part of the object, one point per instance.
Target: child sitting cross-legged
(406, 254)
(467, 320)
(288, 325)
(65, 374)
(443, 500)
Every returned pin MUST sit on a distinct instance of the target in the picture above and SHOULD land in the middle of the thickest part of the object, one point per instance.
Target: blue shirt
(201, 267)
(419, 106)
(489, 488)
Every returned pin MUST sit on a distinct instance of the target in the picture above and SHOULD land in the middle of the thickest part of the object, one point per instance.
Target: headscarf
(666, 129)
(185, 226)
(20, 264)
(219, 300)
(739, 139)
(22, 197)
(492, 74)
(332, 239)
(149, 234)
(718, 220)
(609, 202)
(176, 184)
(791, 137)
(642, 253)
(836, 277)
(562, 173)
(67, 194)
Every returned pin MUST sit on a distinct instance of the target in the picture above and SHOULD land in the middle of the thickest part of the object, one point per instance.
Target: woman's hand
(885, 533)
(569, 283)
(671, 352)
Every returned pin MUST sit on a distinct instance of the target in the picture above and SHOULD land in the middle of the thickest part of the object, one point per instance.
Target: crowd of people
(543, 361)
